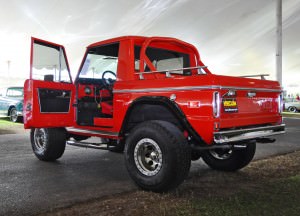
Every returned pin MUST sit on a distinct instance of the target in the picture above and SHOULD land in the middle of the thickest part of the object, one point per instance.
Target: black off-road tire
(195, 155)
(157, 156)
(48, 144)
(229, 159)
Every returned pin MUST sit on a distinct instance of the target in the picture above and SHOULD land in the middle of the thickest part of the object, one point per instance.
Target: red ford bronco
(154, 99)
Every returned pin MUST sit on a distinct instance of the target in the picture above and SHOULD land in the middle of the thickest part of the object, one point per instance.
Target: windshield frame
(90, 51)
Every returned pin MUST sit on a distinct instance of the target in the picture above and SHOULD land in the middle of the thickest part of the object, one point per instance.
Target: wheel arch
(156, 108)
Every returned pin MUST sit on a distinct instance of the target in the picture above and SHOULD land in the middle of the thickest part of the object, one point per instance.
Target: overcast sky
(234, 37)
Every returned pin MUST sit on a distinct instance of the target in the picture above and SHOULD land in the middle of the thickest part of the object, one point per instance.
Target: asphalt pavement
(29, 186)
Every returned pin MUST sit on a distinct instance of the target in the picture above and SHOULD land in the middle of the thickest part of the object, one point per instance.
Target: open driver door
(49, 92)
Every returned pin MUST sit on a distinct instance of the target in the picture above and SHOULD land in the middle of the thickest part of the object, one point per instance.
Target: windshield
(100, 59)
(15, 92)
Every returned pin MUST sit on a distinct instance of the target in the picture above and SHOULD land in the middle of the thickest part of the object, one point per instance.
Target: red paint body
(194, 94)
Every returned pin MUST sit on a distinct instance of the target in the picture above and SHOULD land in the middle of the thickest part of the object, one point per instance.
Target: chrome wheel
(13, 115)
(40, 139)
(221, 154)
(292, 109)
(148, 157)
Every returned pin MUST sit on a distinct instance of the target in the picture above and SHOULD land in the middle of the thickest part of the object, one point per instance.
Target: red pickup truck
(154, 97)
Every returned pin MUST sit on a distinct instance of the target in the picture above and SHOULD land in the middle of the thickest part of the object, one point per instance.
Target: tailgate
(249, 102)
(247, 109)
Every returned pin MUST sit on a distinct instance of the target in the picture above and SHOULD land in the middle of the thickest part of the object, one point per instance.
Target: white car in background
(292, 104)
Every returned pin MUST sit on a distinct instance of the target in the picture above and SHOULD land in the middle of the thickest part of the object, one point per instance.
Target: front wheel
(13, 115)
(229, 159)
(48, 144)
(157, 156)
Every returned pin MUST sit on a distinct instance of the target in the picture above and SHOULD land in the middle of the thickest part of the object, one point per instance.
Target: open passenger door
(49, 93)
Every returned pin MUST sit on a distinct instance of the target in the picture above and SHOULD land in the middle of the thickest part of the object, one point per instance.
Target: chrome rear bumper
(247, 134)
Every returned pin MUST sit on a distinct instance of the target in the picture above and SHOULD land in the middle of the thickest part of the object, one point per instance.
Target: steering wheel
(107, 78)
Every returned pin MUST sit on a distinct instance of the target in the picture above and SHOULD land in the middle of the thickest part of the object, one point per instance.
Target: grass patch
(4, 122)
(281, 197)
(8, 127)
(290, 114)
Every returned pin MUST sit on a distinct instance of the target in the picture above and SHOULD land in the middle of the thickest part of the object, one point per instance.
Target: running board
(102, 146)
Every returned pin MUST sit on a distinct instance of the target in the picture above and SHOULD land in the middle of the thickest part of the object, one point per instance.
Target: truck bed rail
(262, 76)
(169, 71)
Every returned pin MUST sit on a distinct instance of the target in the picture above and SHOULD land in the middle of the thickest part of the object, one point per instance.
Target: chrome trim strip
(262, 76)
(95, 132)
(181, 88)
(250, 89)
(192, 88)
(169, 71)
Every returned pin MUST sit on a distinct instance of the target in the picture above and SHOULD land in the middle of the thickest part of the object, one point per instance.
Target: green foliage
(5, 122)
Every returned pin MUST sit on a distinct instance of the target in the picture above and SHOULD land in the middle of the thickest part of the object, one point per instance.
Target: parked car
(292, 104)
(11, 103)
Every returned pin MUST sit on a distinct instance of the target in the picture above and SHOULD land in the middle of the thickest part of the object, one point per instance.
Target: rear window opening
(164, 60)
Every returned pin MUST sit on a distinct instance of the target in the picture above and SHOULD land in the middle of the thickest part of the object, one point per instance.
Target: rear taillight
(216, 104)
(280, 103)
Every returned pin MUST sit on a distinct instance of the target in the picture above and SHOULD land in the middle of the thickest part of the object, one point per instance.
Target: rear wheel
(292, 109)
(157, 156)
(48, 144)
(229, 159)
